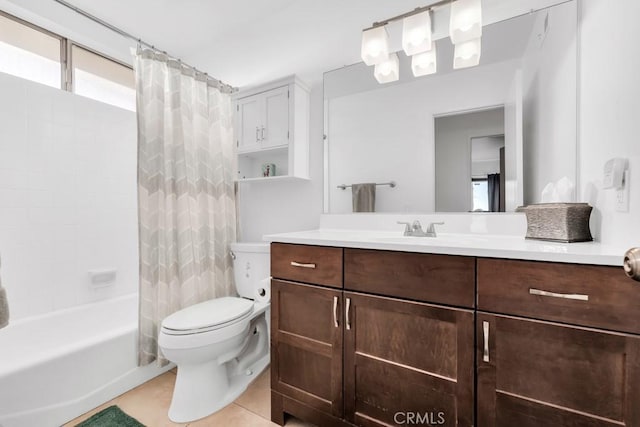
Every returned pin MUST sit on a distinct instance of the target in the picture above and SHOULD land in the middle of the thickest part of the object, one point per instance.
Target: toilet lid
(210, 313)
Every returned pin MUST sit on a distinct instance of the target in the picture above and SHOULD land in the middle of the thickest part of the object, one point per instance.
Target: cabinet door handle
(578, 297)
(346, 311)
(262, 134)
(485, 333)
(335, 312)
(302, 265)
(257, 132)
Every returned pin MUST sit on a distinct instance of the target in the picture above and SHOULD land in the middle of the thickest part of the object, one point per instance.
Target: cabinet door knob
(257, 132)
(485, 333)
(335, 312)
(346, 310)
(262, 134)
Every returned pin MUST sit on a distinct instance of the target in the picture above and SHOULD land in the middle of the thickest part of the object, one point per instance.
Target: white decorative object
(467, 54)
(416, 33)
(375, 45)
(389, 70)
(424, 63)
(466, 21)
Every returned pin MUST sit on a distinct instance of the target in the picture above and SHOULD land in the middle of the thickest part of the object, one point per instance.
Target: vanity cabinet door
(534, 373)
(407, 361)
(306, 345)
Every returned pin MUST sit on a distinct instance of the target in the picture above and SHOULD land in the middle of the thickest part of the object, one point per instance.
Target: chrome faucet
(415, 229)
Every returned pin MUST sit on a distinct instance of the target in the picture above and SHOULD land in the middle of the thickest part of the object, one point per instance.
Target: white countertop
(478, 245)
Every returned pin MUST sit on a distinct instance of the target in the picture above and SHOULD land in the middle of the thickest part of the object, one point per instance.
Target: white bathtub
(60, 365)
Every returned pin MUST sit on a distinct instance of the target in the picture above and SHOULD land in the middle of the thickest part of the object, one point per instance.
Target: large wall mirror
(480, 139)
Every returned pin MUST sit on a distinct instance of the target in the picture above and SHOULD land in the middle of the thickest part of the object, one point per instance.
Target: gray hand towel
(4, 307)
(364, 197)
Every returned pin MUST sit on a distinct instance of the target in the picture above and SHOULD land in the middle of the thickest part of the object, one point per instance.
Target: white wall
(609, 113)
(278, 207)
(550, 110)
(67, 197)
(388, 134)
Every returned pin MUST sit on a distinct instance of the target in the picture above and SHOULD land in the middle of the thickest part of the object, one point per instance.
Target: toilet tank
(251, 264)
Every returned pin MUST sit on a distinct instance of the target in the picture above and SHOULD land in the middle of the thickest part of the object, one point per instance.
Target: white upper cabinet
(272, 131)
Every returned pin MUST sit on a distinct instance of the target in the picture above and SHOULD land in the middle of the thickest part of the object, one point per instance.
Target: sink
(446, 239)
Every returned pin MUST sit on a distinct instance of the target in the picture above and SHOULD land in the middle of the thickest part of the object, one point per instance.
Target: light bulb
(467, 54)
(389, 70)
(416, 33)
(375, 45)
(424, 63)
(466, 20)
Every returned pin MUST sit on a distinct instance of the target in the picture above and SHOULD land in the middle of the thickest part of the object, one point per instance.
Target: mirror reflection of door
(487, 173)
(470, 160)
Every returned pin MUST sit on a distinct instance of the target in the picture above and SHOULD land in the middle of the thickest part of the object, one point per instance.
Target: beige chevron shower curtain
(186, 196)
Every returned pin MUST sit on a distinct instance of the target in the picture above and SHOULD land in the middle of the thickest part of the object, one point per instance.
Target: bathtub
(58, 366)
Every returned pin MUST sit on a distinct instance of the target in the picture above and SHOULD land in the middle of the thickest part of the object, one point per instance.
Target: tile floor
(149, 403)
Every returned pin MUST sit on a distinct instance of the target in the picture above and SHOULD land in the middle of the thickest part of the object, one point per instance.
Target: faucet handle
(432, 229)
(407, 228)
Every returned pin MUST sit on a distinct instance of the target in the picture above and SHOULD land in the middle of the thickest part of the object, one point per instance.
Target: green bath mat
(111, 417)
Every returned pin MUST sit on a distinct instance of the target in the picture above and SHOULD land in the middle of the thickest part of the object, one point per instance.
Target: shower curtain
(186, 200)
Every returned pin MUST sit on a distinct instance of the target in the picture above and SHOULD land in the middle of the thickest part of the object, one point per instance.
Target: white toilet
(220, 345)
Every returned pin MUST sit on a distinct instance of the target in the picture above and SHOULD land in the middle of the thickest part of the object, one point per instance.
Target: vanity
(376, 331)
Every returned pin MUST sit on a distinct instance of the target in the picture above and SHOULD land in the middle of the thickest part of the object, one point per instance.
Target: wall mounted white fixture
(416, 33)
(466, 21)
(375, 45)
(389, 70)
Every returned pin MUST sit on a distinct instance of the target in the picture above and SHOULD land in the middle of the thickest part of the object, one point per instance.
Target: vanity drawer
(587, 295)
(444, 279)
(318, 265)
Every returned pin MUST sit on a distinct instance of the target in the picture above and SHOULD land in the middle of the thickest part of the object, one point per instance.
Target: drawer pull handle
(302, 265)
(347, 309)
(578, 297)
(335, 312)
(485, 330)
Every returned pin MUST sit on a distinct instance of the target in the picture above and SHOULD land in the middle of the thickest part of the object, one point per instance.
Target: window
(97, 77)
(36, 54)
(480, 195)
(30, 53)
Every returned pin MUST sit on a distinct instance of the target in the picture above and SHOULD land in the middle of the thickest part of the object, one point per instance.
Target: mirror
(486, 138)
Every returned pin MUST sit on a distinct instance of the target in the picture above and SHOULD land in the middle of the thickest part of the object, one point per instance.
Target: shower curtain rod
(218, 83)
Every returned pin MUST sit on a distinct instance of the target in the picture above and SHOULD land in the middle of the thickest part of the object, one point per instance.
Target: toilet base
(203, 389)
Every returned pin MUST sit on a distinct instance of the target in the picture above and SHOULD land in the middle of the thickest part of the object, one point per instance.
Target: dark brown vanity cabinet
(533, 370)
(362, 355)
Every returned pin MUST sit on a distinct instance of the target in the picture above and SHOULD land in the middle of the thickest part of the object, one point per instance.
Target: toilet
(220, 346)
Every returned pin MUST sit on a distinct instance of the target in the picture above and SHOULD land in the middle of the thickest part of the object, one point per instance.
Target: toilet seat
(208, 316)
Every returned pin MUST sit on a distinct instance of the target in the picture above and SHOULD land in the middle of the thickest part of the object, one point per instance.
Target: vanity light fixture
(466, 21)
(465, 31)
(416, 33)
(388, 71)
(424, 63)
(375, 45)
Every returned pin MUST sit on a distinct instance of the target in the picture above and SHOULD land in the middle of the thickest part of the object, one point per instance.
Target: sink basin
(446, 239)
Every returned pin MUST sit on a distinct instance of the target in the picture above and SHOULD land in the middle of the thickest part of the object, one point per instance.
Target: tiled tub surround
(67, 197)
(59, 365)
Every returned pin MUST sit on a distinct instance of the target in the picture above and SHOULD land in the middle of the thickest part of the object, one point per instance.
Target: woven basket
(558, 222)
